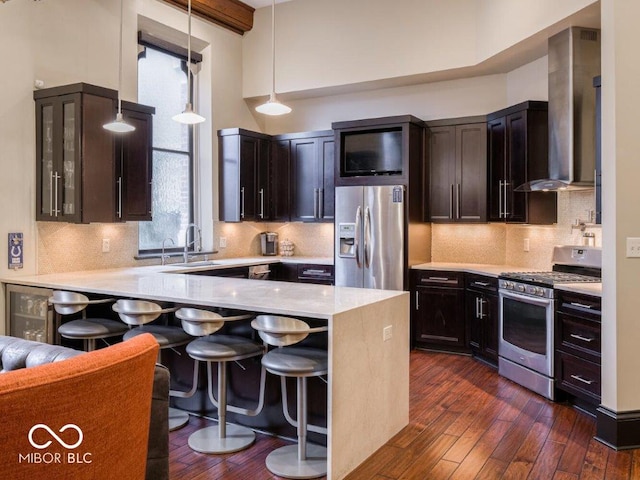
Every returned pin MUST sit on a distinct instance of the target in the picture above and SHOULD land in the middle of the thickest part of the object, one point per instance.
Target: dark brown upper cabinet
(311, 181)
(517, 145)
(458, 170)
(244, 185)
(84, 172)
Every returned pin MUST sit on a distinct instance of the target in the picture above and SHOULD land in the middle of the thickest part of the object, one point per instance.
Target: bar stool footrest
(284, 462)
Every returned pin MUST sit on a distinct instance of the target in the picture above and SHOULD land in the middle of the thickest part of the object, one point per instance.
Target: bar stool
(221, 349)
(138, 313)
(303, 460)
(86, 329)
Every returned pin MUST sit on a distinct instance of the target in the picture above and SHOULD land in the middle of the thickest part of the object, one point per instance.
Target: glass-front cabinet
(28, 313)
(58, 149)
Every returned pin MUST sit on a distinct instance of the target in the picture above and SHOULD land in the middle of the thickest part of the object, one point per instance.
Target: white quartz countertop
(157, 283)
(219, 263)
(495, 270)
(480, 268)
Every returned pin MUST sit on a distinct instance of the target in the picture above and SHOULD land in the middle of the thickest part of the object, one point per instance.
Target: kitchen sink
(203, 263)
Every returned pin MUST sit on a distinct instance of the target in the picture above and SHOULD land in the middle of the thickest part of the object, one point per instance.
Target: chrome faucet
(164, 257)
(197, 240)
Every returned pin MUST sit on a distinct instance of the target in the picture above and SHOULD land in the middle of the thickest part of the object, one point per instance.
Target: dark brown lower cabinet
(438, 305)
(578, 349)
(482, 312)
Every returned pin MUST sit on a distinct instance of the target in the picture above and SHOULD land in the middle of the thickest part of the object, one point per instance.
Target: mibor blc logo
(65, 437)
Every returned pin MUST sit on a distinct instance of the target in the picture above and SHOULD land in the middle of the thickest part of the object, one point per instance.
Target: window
(162, 83)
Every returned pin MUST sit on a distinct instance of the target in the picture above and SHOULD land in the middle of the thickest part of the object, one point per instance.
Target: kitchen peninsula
(367, 373)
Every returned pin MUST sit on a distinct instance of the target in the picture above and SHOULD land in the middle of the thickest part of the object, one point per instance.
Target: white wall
(332, 43)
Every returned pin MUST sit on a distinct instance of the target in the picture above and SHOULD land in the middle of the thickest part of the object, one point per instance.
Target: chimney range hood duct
(574, 59)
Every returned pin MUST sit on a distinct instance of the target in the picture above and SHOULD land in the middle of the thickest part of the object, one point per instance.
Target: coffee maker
(269, 243)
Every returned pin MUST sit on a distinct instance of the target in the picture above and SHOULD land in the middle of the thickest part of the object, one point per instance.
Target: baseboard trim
(618, 430)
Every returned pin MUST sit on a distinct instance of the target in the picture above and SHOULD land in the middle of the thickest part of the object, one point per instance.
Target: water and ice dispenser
(347, 236)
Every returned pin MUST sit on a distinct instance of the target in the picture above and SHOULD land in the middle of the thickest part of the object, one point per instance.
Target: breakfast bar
(368, 340)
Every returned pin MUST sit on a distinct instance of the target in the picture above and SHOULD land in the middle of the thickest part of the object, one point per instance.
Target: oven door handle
(543, 302)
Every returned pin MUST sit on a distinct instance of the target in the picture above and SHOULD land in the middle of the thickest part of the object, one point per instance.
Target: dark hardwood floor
(466, 422)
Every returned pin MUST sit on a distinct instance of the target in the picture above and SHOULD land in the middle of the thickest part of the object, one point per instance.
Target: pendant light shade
(273, 106)
(119, 125)
(188, 116)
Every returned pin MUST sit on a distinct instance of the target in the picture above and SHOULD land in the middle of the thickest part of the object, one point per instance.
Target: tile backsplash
(66, 247)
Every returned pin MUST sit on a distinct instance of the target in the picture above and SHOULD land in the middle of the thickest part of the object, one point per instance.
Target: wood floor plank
(466, 422)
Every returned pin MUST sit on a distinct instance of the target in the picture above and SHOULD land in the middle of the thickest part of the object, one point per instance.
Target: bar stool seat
(304, 460)
(87, 329)
(221, 349)
(166, 336)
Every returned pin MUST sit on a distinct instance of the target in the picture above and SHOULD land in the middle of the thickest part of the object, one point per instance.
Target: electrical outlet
(223, 242)
(387, 333)
(106, 245)
(525, 245)
(633, 247)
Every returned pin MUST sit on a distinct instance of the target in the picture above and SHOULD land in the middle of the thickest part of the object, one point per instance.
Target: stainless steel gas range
(527, 307)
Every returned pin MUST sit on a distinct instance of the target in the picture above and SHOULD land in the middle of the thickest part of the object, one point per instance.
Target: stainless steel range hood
(574, 59)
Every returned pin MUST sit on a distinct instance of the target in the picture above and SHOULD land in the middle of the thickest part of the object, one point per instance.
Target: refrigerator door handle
(358, 233)
(367, 237)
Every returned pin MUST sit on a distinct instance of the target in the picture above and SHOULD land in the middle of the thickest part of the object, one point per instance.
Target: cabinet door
(516, 167)
(442, 146)
(280, 180)
(490, 314)
(47, 139)
(474, 323)
(135, 176)
(471, 173)
(440, 317)
(249, 152)
(326, 202)
(304, 179)
(263, 182)
(496, 148)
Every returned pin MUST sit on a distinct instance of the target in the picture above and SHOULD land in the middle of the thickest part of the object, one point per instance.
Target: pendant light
(273, 106)
(119, 125)
(188, 116)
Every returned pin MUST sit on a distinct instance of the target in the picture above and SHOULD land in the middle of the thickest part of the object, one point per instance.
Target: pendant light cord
(120, 61)
(273, 46)
(189, 54)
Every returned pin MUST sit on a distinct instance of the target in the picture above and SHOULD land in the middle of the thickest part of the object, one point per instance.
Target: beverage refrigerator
(28, 313)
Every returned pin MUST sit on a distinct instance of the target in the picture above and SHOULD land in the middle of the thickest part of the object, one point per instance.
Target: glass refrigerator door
(29, 314)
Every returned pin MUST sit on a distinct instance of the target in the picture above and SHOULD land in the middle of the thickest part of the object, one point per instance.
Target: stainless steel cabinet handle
(321, 202)
(580, 337)
(580, 379)
(261, 203)
(241, 202)
(51, 193)
(576, 304)
(458, 201)
(477, 307)
(481, 284)
(451, 201)
(481, 303)
(439, 279)
(316, 196)
(417, 301)
(506, 210)
(119, 211)
(356, 240)
(500, 214)
(56, 211)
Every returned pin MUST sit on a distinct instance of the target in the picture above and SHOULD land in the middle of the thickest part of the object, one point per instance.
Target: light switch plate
(633, 247)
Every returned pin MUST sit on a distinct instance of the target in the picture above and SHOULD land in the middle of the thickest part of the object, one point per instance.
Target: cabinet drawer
(481, 282)
(577, 376)
(579, 336)
(577, 304)
(308, 273)
(436, 278)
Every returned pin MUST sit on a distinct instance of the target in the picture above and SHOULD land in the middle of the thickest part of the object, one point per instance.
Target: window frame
(147, 41)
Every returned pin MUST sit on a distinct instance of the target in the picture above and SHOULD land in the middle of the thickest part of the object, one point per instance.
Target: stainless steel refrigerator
(370, 231)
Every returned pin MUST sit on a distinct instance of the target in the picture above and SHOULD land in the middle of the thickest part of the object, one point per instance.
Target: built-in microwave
(371, 152)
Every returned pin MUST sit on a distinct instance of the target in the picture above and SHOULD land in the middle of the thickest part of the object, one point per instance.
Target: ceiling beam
(231, 14)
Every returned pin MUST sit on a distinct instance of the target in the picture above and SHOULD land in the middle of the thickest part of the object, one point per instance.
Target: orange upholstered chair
(85, 417)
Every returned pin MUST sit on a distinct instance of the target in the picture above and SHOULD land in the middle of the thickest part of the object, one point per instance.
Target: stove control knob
(509, 285)
(521, 288)
(539, 291)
